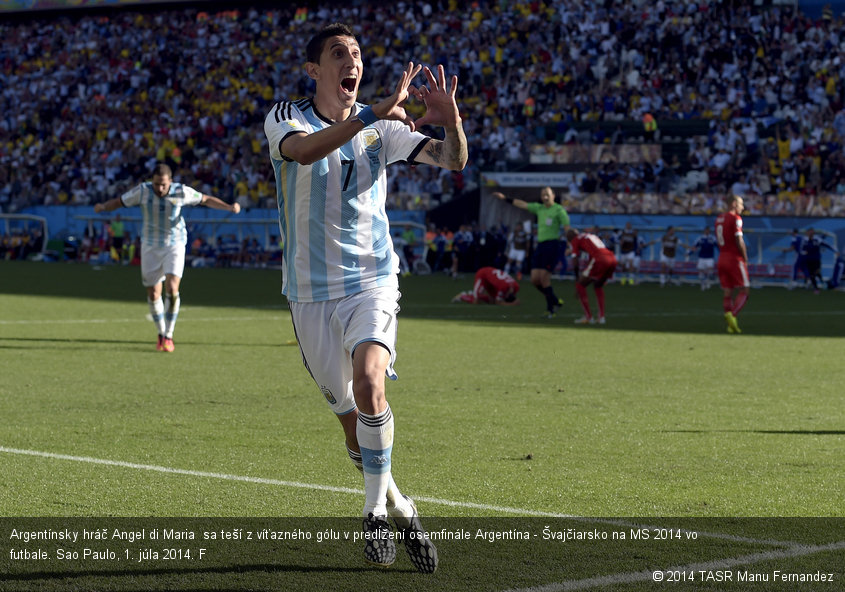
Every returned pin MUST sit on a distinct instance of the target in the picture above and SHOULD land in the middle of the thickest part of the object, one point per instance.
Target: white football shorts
(706, 264)
(328, 333)
(517, 255)
(156, 262)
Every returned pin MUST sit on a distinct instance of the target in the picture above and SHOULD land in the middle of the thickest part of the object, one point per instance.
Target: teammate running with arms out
(597, 271)
(552, 218)
(733, 262)
(329, 155)
(492, 286)
(164, 240)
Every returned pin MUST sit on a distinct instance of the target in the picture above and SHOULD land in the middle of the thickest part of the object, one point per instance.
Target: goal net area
(23, 236)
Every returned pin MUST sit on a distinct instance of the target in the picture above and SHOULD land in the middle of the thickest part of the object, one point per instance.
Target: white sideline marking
(646, 575)
(263, 481)
(794, 550)
(313, 486)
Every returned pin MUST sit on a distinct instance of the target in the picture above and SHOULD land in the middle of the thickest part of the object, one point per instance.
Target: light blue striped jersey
(163, 222)
(332, 212)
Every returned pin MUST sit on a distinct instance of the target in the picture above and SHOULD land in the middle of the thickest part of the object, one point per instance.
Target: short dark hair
(315, 47)
(162, 170)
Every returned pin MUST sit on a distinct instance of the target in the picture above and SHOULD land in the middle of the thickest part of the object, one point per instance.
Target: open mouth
(348, 84)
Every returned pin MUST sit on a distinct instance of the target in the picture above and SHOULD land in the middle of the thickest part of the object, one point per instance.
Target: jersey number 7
(344, 164)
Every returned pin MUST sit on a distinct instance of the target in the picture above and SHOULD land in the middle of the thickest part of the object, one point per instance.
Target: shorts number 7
(389, 320)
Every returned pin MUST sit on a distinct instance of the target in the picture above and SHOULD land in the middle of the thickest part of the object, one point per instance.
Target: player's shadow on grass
(775, 432)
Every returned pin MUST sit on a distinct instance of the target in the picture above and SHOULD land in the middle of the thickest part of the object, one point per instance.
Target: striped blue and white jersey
(332, 213)
(163, 224)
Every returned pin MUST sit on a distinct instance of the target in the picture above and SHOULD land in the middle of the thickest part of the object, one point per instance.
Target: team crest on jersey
(372, 140)
(327, 393)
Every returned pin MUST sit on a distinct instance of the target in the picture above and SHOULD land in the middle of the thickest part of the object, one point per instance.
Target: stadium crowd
(89, 100)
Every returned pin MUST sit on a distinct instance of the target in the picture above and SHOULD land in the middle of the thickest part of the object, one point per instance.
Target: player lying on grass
(492, 286)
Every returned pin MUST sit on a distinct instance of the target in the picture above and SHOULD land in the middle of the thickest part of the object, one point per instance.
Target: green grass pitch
(500, 414)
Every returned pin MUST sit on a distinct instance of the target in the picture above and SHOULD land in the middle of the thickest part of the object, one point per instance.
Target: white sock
(170, 314)
(375, 437)
(157, 312)
(355, 457)
(397, 505)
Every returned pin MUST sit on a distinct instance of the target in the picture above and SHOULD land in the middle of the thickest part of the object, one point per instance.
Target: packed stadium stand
(735, 96)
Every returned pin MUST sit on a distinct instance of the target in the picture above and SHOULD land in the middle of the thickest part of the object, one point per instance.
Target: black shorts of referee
(546, 255)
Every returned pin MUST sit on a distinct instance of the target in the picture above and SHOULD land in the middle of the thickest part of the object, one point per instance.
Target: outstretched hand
(441, 109)
(393, 107)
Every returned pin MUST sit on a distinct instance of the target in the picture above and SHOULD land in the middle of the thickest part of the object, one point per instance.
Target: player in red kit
(733, 262)
(492, 286)
(598, 269)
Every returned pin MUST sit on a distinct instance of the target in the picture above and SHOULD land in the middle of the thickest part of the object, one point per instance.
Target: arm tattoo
(435, 151)
(451, 152)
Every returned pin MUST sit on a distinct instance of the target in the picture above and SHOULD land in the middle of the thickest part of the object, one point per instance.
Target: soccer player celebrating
(164, 239)
(492, 286)
(329, 154)
(598, 269)
(732, 266)
(551, 218)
